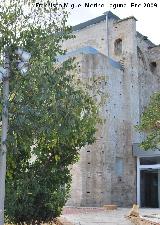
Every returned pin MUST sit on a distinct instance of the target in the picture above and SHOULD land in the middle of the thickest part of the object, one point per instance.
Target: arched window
(118, 46)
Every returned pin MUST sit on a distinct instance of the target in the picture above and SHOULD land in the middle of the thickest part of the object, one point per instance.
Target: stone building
(114, 170)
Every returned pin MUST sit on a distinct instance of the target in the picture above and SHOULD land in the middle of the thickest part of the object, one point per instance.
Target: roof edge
(145, 38)
(127, 18)
(98, 19)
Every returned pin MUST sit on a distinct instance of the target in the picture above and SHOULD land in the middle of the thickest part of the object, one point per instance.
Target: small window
(118, 46)
(153, 66)
(119, 167)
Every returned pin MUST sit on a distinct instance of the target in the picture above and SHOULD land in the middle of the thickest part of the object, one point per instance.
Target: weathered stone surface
(110, 207)
(106, 172)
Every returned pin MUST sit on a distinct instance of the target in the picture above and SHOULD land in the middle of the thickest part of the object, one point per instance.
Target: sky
(147, 12)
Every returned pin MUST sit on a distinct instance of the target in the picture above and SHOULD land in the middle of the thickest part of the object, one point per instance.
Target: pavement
(96, 216)
(100, 216)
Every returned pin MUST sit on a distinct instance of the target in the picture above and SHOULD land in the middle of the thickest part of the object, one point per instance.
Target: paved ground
(99, 216)
(151, 214)
(96, 216)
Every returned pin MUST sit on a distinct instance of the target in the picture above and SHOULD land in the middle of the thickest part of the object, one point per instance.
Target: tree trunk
(3, 149)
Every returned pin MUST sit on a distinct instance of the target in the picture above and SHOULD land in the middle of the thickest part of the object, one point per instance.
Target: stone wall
(106, 172)
(92, 174)
(95, 178)
(89, 36)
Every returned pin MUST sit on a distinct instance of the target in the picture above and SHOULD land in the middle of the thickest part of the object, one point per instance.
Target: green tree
(50, 116)
(150, 123)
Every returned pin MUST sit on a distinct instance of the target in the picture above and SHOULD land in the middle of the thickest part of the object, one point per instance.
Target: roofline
(145, 38)
(140, 152)
(98, 19)
(127, 18)
(88, 50)
(88, 23)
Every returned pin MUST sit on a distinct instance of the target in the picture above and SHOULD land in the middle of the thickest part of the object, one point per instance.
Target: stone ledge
(110, 207)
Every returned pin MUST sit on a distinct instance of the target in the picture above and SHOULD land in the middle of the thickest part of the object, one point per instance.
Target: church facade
(114, 170)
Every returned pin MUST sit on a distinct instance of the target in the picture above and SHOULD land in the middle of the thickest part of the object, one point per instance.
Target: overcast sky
(148, 17)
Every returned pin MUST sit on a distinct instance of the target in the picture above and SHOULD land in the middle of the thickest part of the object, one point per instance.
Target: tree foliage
(150, 123)
(50, 117)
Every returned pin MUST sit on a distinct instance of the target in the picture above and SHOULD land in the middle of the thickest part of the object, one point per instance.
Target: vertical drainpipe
(107, 34)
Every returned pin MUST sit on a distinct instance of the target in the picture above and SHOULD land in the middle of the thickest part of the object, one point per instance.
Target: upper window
(153, 66)
(118, 46)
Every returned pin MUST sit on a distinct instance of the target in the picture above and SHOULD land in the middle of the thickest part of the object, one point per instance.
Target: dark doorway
(149, 188)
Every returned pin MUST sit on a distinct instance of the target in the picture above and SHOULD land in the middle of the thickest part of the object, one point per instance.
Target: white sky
(148, 17)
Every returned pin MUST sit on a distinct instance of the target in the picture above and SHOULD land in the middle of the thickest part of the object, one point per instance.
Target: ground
(99, 216)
